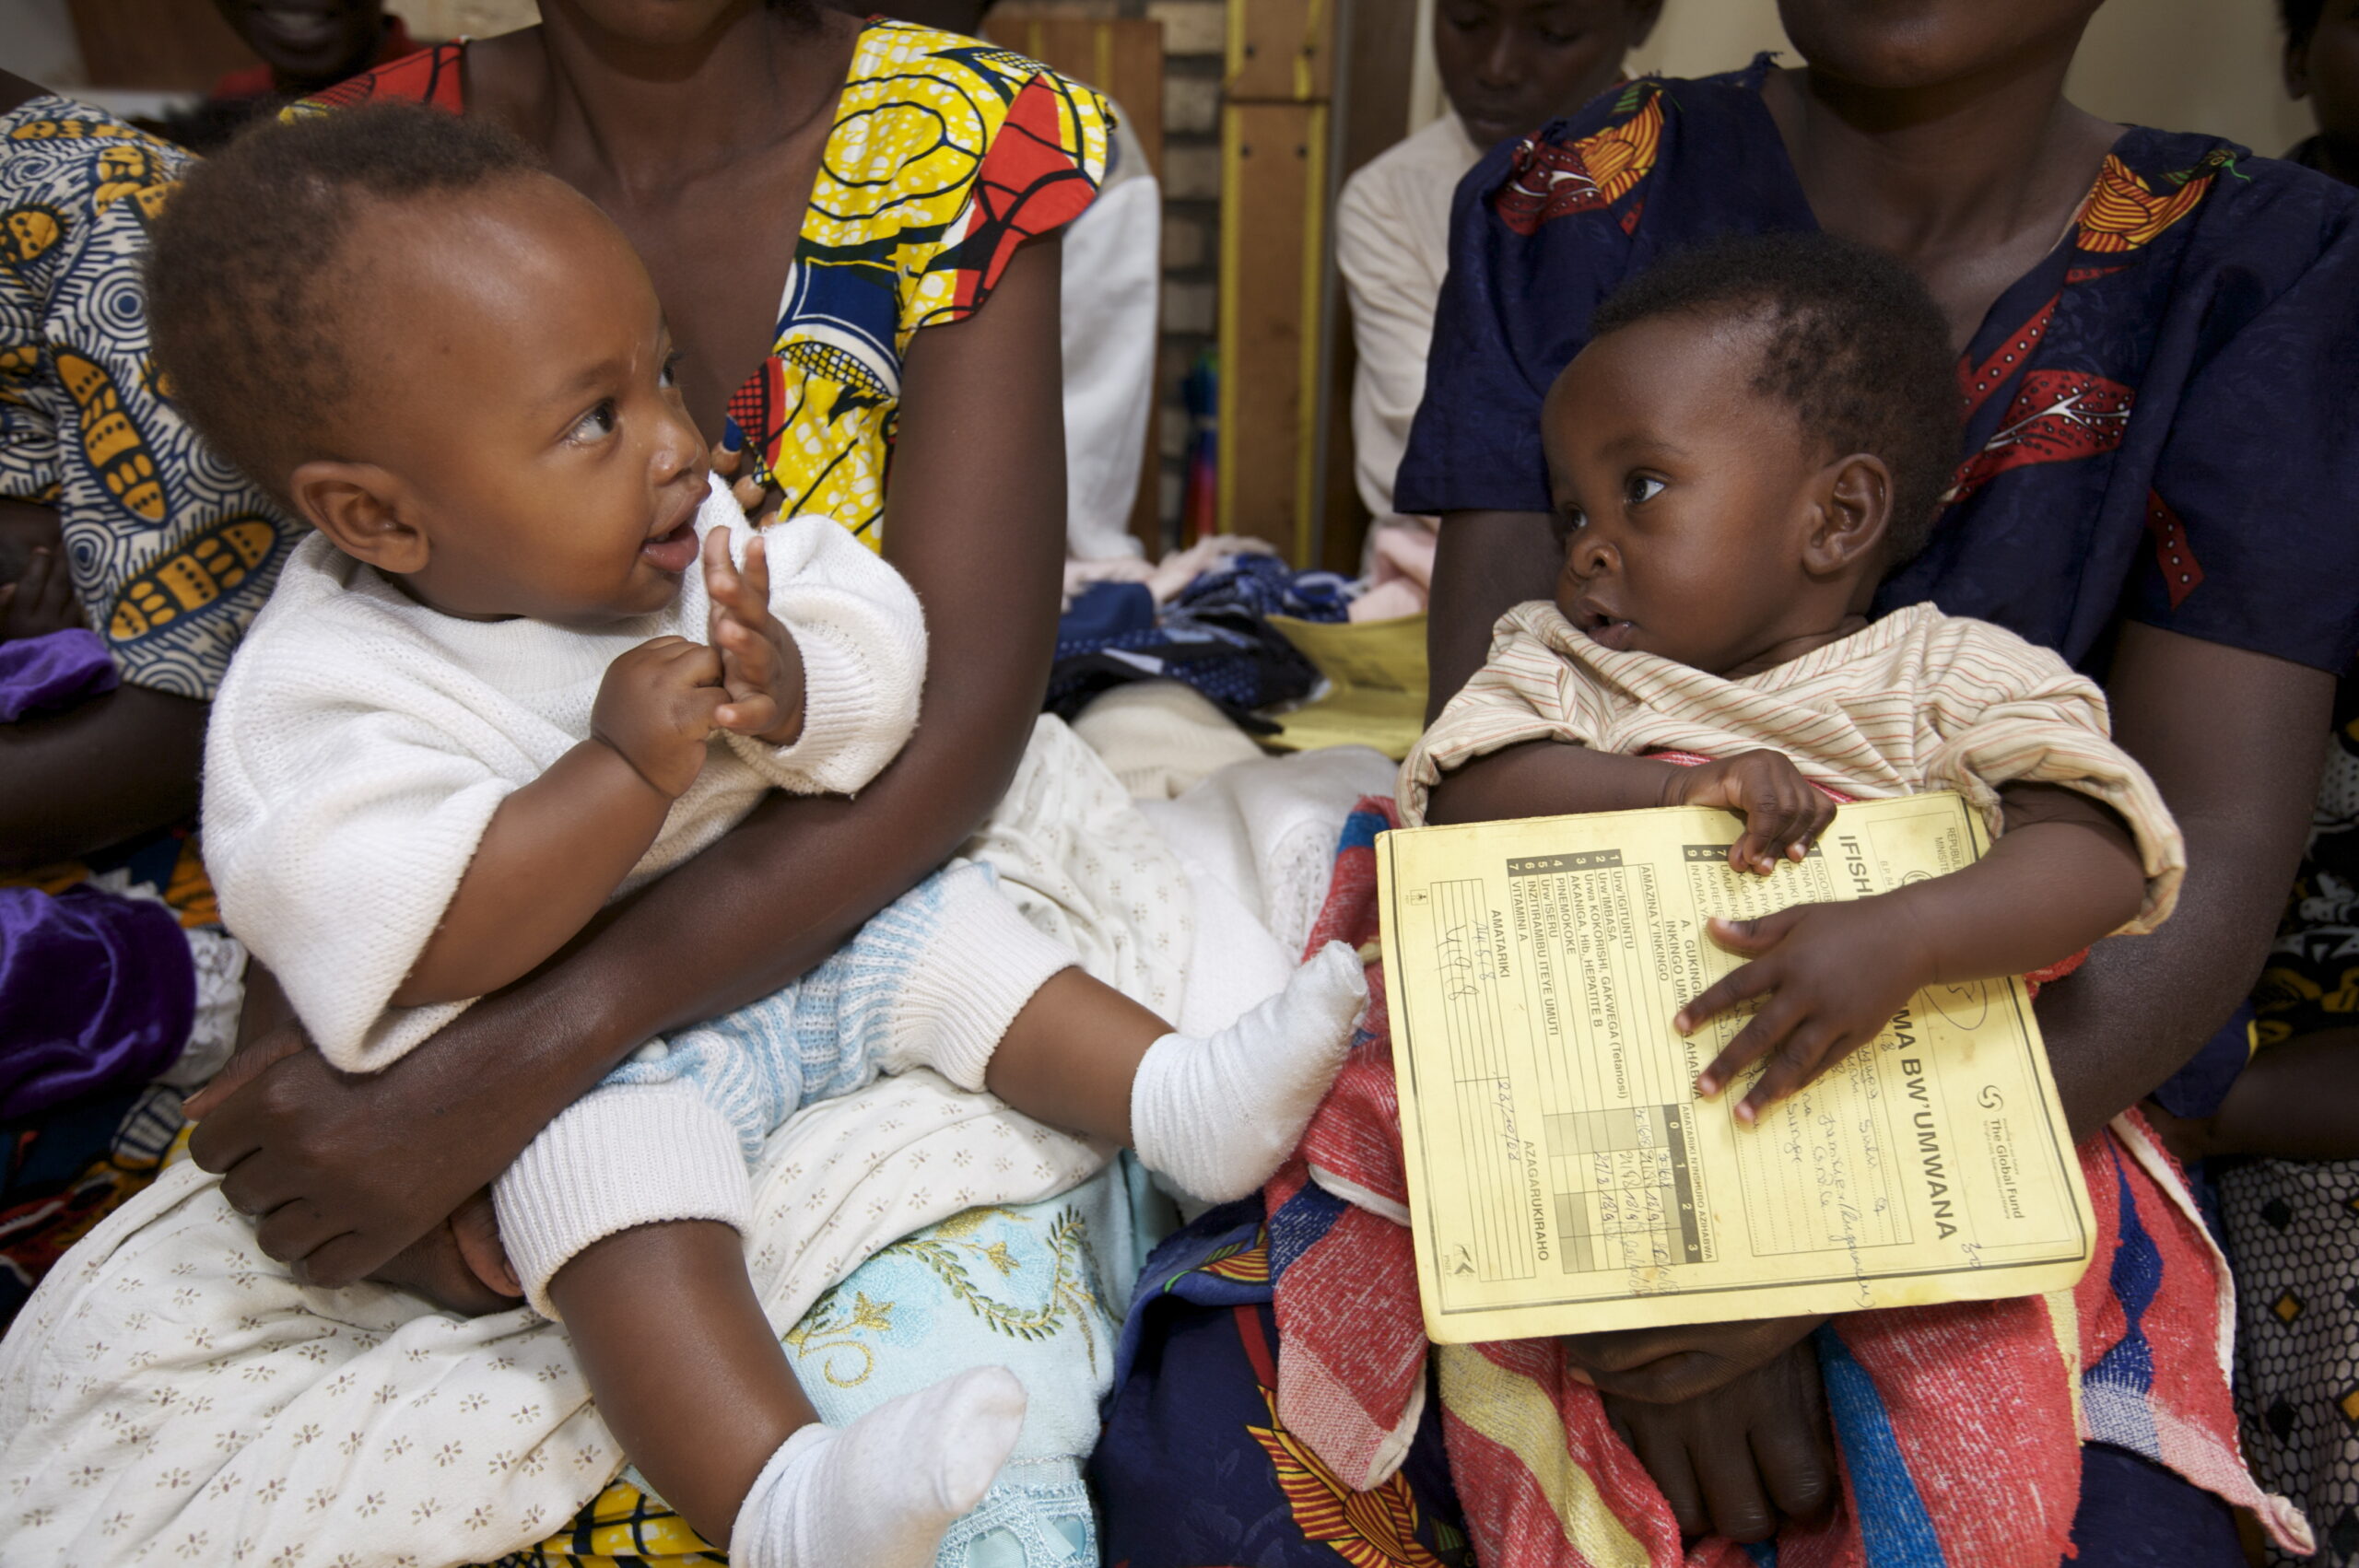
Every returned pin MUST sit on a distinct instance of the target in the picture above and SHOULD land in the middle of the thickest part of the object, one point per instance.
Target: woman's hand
(41, 601)
(1668, 1366)
(325, 1165)
(1736, 1461)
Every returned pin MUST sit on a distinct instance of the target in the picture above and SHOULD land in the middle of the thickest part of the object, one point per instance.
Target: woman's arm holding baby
(347, 1171)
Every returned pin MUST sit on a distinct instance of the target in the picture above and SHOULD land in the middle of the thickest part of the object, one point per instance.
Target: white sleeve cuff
(847, 734)
(621, 1156)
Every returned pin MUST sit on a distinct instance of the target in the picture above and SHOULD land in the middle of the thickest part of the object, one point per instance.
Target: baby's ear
(358, 506)
(1854, 510)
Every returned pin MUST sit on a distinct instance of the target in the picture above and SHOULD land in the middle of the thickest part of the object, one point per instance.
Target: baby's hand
(1834, 975)
(1784, 812)
(760, 665)
(657, 707)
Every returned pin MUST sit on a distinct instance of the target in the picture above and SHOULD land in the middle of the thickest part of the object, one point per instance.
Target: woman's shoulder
(434, 76)
(1710, 137)
(982, 86)
(61, 160)
(948, 152)
(2264, 210)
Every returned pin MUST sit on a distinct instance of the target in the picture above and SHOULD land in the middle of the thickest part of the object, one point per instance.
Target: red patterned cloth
(1958, 1426)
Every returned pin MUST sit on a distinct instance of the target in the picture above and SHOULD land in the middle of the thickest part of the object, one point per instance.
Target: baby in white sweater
(525, 665)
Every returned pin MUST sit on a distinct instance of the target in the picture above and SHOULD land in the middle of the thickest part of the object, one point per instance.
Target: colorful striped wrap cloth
(1957, 1427)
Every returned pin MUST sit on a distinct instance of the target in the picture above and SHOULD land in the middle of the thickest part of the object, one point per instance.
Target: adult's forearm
(1547, 779)
(2143, 1006)
(2299, 1100)
(1484, 565)
(120, 764)
(2234, 741)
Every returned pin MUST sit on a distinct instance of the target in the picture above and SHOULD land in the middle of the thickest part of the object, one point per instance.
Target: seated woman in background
(132, 556)
(1509, 67)
(2151, 487)
(301, 48)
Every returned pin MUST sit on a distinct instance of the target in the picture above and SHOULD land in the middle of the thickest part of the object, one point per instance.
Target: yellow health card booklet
(1564, 1177)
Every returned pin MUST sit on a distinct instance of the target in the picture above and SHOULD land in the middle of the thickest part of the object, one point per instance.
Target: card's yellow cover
(1564, 1177)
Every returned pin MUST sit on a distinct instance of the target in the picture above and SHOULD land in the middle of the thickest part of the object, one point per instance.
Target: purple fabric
(56, 671)
(94, 990)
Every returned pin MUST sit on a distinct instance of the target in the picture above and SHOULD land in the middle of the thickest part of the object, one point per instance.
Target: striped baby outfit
(1914, 702)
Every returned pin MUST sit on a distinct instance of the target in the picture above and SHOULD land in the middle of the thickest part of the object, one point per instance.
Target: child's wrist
(627, 766)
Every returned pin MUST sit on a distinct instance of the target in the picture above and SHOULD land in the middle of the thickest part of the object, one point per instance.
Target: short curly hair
(247, 267)
(1857, 348)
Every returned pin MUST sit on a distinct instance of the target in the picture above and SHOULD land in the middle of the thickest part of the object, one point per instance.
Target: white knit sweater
(361, 741)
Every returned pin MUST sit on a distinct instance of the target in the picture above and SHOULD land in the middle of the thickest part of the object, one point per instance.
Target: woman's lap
(1038, 1289)
(1035, 1287)
(1195, 1469)
(172, 1387)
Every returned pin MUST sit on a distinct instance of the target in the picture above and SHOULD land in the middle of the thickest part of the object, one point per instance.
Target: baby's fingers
(720, 571)
(743, 591)
(1732, 990)
(700, 709)
(1806, 1053)
(1767, 1032)
(752, 715)
(748, 658)
(754, 577)
(1751, 938)
(1777, 824)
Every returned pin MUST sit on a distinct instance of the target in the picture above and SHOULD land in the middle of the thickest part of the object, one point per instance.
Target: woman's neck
(633, 118)
(1962, 164)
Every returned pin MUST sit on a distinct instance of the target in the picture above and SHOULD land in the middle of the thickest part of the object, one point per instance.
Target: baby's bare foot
(434, 1267)
(475, 1227)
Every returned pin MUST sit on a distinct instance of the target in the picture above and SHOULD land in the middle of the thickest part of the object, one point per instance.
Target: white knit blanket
(170, 1396)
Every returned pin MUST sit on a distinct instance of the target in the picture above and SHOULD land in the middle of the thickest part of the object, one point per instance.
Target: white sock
(1218, 1116)
(878, 1494)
